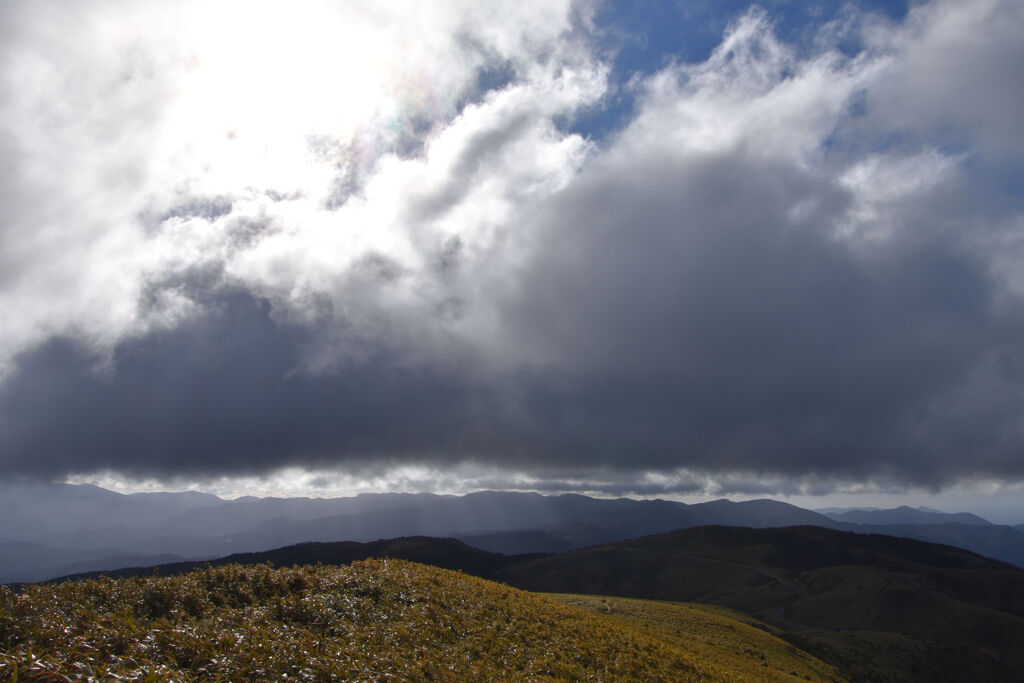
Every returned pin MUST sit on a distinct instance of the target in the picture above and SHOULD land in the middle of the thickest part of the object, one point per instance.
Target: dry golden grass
(372, 620)
(738, 647)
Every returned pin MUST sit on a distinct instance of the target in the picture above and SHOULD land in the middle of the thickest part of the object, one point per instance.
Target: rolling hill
(372, 620)
(879, 607)
(734, 641)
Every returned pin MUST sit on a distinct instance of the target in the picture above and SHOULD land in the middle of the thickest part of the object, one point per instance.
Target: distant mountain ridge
(30, 509)
(993, 540)
(446, 553)
(197, 533)
(81, 527)
(905, 515)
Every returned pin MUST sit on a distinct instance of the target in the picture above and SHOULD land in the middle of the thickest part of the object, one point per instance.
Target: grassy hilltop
(371, 620)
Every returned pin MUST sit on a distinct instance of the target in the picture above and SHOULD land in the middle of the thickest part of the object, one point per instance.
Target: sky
(623, 248)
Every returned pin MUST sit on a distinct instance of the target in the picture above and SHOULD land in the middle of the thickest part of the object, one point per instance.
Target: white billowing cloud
(882, 184)
(143, 141)
(754, 92)
(74, 117)
(924, 114)
(424, 232)
(954, 76)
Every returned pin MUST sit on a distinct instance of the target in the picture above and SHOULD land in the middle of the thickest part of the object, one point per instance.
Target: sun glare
(261, 86)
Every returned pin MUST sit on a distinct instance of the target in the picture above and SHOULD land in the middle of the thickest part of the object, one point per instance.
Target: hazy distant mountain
(997, 541)
(241, 514)
(447, 553)
(831, 511)
(24, 561)
(575, 520)
(137, 539)
(85, 523)
(757, 514)
(904, 515)
(30, 509)
(604, 525)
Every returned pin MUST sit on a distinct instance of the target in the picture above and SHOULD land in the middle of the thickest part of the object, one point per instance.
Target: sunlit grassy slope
(370, 620)
(741, 648)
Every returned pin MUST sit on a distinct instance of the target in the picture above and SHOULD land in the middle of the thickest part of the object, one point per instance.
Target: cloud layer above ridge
(239, 238)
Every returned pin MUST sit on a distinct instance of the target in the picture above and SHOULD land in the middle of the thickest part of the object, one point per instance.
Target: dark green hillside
(883, 608)
(372, 620)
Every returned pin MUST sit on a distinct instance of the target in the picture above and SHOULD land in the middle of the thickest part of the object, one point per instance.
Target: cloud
(951, 77)
(794, 263)
(771, 295)
(123, 120)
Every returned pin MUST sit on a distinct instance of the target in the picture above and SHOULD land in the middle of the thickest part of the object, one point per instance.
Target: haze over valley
(53, 530)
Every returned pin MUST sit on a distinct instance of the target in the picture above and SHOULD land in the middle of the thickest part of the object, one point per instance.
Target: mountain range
(50, 530)
(903, 515)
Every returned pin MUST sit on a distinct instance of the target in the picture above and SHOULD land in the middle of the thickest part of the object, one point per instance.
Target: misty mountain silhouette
(78, 528)
(905, 515)
(446, 553)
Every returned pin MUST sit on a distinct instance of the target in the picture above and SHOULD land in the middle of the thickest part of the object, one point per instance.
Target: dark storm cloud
(696, 322)
(219, 394)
